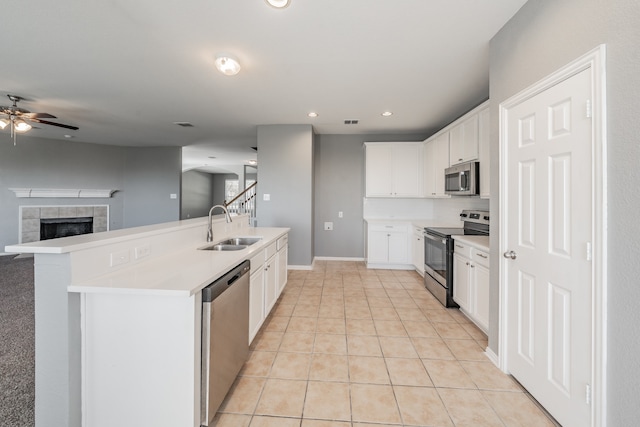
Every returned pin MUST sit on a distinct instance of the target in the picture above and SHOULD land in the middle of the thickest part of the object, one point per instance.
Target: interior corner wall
(542, 37)
(285, 174)
(152, 185)
(197, 194)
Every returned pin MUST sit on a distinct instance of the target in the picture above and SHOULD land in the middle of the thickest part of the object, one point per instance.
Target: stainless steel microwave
(462, 179)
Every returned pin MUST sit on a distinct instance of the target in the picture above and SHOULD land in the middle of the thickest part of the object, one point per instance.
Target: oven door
(435, 257)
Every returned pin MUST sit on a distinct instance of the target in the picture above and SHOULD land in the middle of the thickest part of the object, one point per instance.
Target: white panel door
(548, 230)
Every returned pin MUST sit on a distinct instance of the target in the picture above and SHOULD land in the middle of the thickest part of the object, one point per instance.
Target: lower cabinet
(417, 249)
(268, 279)
(471, 283)
(388, 246)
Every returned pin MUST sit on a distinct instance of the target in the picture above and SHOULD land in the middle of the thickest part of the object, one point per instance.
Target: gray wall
(542, 37)
(197, 194)
(151, 176)
(285, 172)
(339, 186)
(144, 177)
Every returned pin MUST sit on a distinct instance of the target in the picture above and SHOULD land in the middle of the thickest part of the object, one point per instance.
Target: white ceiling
(123, 71)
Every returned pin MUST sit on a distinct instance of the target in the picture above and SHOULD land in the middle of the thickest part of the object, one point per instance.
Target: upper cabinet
(394, 169)
(483, 152)
(436, 161)
(463, 140)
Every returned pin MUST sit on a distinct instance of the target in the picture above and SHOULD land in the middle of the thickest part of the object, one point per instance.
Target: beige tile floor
(350, 347)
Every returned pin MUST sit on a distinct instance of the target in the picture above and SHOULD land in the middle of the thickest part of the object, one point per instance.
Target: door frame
(594, 61)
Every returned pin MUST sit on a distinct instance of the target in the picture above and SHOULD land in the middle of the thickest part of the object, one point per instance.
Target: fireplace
(62, 227)
(50, 222)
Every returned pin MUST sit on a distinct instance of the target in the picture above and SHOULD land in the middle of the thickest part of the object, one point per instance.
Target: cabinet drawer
(282, 242)
(388, 227)
(256, 261)
(481, 257)
(462, 248)
(270, 250)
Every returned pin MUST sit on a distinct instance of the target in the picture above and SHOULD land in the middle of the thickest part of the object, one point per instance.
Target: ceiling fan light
(227, 65)
(4, 123)
(279, 4)
(21, 126)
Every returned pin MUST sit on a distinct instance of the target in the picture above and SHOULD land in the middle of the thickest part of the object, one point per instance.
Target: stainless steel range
(438, 253)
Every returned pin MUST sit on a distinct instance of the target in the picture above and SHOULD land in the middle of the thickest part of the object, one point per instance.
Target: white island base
(118, 318)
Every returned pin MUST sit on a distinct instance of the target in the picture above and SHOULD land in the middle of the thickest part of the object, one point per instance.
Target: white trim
(333, 258)
(492, 356)
(300, 267)
(81, 193)
(595, 62)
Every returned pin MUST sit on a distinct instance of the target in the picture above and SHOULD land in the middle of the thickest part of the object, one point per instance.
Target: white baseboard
(331, 258)
(300, 267)
(492, 357)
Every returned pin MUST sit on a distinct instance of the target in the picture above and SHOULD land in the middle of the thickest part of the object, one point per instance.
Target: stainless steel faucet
(209, 228)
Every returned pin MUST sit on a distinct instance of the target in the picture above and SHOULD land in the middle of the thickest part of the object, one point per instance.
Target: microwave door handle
(463, 181)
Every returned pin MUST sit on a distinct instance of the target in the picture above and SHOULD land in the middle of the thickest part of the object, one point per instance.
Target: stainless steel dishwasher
(225, 337)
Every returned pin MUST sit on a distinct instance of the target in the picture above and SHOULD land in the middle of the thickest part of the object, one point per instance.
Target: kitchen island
(118, 318)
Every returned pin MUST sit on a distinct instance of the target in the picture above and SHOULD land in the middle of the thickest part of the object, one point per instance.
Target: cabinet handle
(482, 256)
(459, 246)
(472, 266)
(467, 263)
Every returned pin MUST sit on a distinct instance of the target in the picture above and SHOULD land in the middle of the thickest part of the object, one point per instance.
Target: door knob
(510, 254)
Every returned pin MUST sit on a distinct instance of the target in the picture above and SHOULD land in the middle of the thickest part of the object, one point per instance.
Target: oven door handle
(434, 238)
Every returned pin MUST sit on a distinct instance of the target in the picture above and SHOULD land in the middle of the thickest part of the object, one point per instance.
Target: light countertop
(479, 242)
(182, 273)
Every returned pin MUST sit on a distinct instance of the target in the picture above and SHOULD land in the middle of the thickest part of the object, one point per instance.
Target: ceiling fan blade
(38, 116)
(45, 122)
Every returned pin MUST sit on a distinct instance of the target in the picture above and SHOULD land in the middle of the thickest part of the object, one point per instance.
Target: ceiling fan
(19, 118)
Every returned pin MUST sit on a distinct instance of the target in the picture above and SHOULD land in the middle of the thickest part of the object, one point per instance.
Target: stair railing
(244, 203)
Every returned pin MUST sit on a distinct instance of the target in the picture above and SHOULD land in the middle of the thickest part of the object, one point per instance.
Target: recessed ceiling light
(252, 162)
(387, 113)
(312, 114)
(227, 64)
(280, 4)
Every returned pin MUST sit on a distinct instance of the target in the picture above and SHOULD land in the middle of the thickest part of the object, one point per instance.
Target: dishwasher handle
(215, 289)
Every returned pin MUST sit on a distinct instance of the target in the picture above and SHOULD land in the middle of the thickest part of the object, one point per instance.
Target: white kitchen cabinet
(388, 246)
(393, 169)
(282, 253)
(436, 161)
(270, 278)
(471, 282)
(417, 249)
(463, 140)
(483, 152)
(256, 300)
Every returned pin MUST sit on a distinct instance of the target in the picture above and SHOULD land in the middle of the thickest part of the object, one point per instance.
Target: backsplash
(445, 209)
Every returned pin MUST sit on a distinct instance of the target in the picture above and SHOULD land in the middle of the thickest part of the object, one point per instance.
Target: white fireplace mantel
(62, 192)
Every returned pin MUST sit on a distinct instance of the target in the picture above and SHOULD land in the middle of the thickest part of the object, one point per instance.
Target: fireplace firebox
(53, 228)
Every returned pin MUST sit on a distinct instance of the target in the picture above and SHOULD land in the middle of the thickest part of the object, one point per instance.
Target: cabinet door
(483, 153)
(378, 247)
(441, 156)
(399, 248)
(281, 261)
(270, 284)
(461, 289)
(378, 170)
(256, 302)
(480, 280)
(463, 141)
(407, 170)
(418, 251)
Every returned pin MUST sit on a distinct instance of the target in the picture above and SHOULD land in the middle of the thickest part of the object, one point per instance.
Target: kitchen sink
(247, 241)
(223, 247)
(232, 244)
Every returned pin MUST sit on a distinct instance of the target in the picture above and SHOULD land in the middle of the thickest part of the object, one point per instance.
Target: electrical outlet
(142, 251)
(119, 258)
(328, 226)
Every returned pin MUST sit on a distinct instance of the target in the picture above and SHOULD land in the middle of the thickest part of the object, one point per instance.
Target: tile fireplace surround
(30, 218)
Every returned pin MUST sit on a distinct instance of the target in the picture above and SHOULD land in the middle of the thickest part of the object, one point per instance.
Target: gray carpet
(17, 336)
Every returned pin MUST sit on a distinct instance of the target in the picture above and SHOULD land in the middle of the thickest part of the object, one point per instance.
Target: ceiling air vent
(351, 122)
(183, 124)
